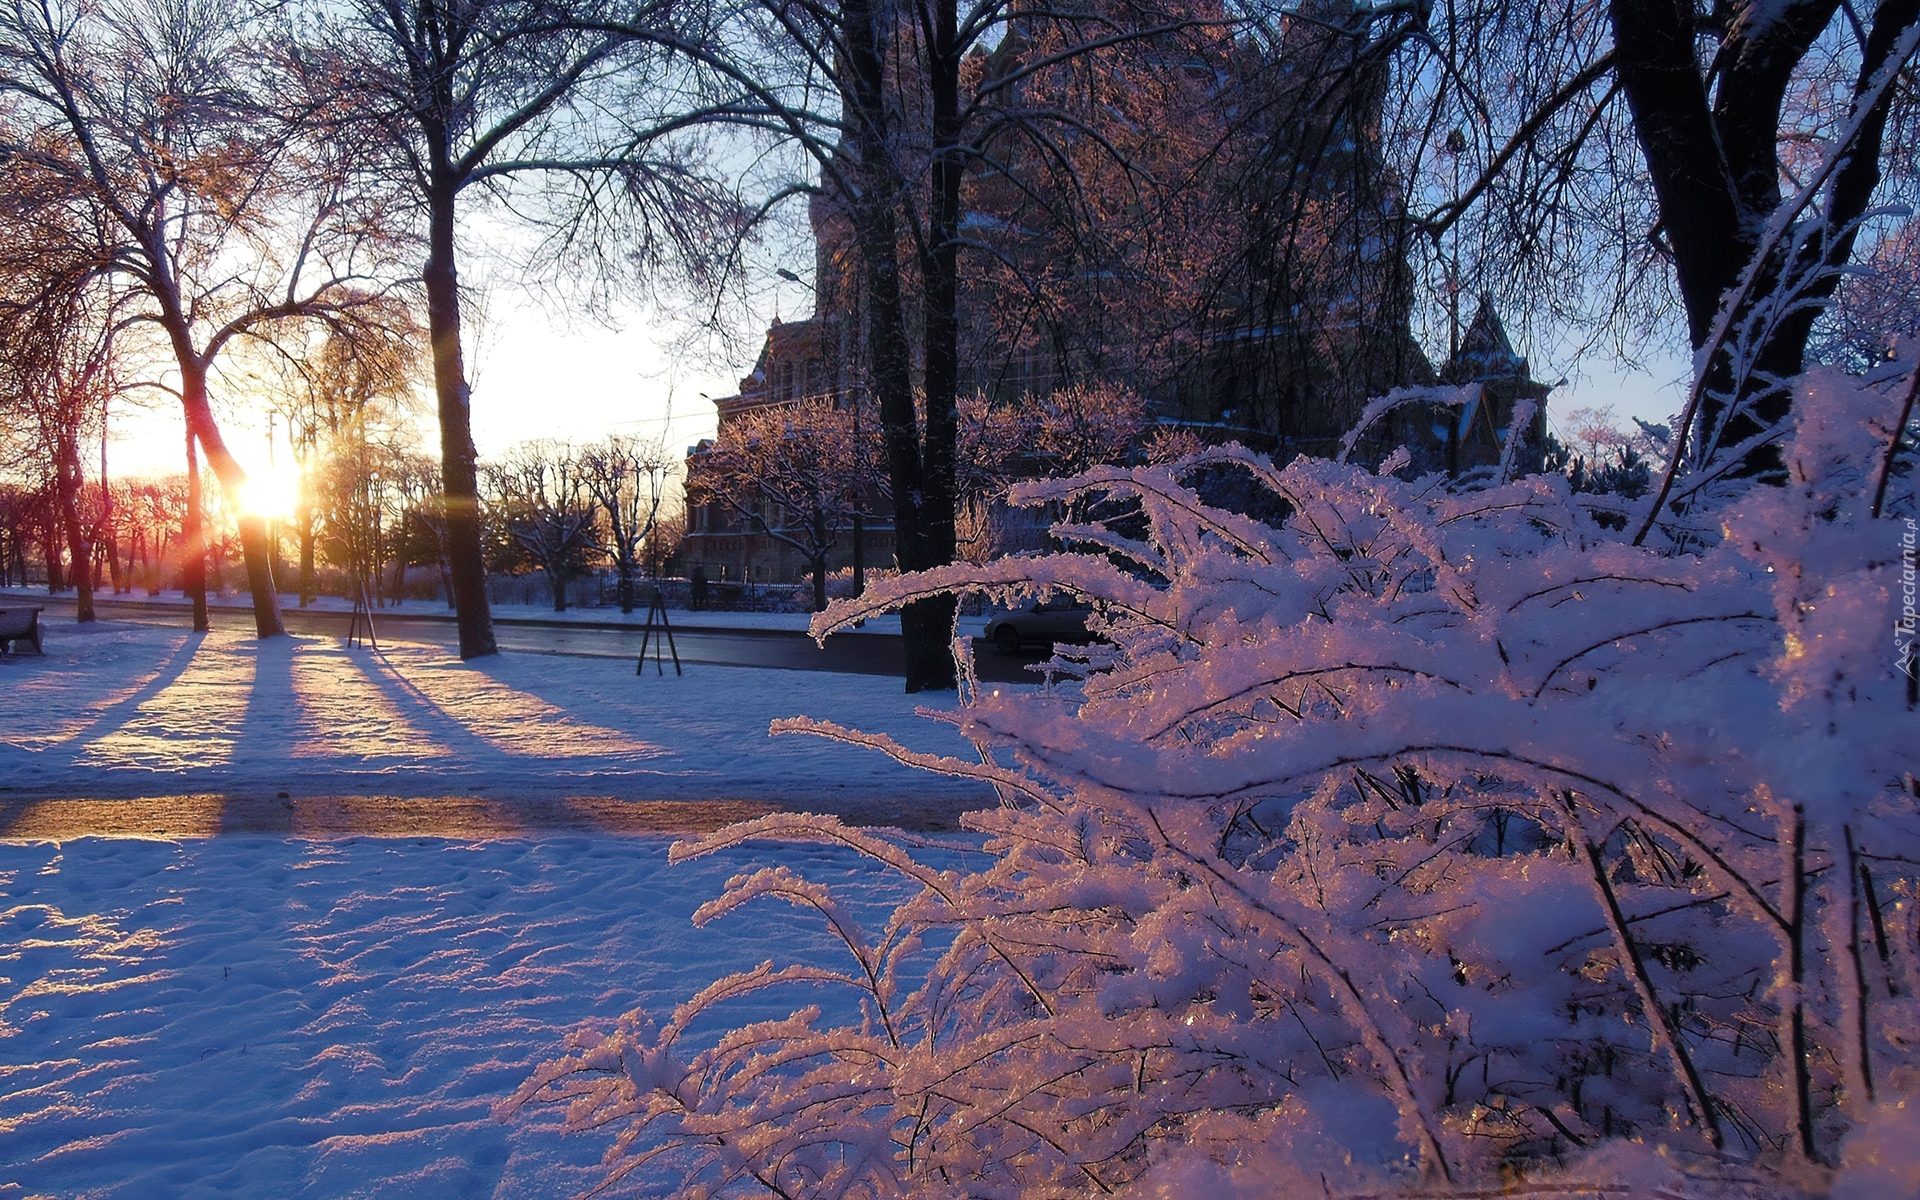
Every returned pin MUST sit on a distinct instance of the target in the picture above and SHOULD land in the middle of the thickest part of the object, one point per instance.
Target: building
(799, 361)
(1298, 326)
(1470, 436)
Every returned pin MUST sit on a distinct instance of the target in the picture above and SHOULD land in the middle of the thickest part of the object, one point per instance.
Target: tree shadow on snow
(267, 729)
(114, 717)
(467, 748)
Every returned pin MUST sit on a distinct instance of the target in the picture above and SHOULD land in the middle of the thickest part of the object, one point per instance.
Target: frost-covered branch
(1324, 838)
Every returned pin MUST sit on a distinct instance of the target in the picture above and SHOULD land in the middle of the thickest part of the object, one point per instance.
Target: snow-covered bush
(1419, 837)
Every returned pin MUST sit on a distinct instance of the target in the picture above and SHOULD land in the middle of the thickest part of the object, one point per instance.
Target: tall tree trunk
(864, 96)
(193, 541)
(108, 533)
(1713, 158)
(306, 551)
(67, 484)
(1851, 192)
(50, 540)
(376, 555)
(461, 480)
(1673, 120)
(930, 649)
(254, 551)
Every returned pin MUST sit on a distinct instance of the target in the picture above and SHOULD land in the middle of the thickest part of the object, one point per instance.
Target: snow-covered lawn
(125, 710)
(259, 1017)
(334, 1016)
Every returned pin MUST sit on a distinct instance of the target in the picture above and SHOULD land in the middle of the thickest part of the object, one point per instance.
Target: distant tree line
(566, 510)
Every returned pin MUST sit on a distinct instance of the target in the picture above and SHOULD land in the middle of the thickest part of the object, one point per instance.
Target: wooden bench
(20, 625)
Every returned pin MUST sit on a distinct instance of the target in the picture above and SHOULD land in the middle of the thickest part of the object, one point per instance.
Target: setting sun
(273, 494)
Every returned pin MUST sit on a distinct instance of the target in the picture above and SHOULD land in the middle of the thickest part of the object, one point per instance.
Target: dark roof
(1485, 350)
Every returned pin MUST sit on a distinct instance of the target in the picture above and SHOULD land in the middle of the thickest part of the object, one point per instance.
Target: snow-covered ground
(135, 710)
(252, 1016)
(334, 1016)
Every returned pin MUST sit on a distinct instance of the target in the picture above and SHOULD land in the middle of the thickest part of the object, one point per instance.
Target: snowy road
(287, 1008)
(696, 638)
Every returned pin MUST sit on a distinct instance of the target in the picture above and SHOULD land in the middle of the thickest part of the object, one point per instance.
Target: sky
(538, 375)
(538, 372)
(533, 373)
(1653, 392)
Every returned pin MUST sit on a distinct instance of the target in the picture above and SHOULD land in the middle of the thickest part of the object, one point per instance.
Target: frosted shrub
(1419, 837)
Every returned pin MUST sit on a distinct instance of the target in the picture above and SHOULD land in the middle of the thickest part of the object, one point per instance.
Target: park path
(176, 817)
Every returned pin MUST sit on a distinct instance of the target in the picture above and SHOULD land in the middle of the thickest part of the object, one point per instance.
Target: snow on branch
(1417, 840)
(1450, 397)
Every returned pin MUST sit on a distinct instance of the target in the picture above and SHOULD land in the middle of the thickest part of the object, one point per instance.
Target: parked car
(1060, 619)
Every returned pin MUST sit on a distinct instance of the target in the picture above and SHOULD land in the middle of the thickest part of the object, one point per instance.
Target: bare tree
(541, 492)
(479, 98)
(57, 372)
(358, 383)
(205, 200)
(18, 513)
(798, 473)
(1056, 435)
(920, 150)
(364, 478)
(1711, 116)
(627, 477)
(149, 512)
(422, 524)
(1598, 162)
(891, 109)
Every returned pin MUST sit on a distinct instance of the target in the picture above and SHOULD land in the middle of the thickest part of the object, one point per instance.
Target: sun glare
(273, 494)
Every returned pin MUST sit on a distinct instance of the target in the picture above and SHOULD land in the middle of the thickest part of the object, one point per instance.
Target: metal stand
(657, 609)
(362, 614)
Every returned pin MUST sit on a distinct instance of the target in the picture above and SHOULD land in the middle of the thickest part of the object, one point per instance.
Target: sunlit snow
(307, 1012)
(134, 710)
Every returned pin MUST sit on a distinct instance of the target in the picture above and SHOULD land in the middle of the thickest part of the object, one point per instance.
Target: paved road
(852, 653)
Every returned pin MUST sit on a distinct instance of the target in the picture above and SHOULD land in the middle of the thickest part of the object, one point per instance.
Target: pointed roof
(1485, 350)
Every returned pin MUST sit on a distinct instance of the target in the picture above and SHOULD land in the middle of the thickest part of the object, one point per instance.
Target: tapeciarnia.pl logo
(1903, 627)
